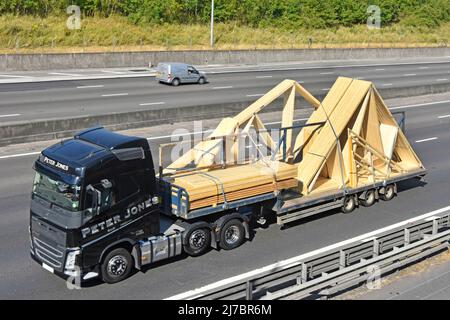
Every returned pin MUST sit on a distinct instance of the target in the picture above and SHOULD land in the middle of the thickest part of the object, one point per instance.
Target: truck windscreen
(57, 192)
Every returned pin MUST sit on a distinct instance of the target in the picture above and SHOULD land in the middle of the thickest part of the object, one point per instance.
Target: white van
(177, 73)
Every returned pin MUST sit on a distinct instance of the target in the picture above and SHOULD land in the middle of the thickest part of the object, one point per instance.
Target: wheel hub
(348, 204)
(232, 235)
(197, 239)
(117, 265)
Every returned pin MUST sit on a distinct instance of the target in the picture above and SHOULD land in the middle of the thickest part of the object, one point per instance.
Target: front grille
(48, 254)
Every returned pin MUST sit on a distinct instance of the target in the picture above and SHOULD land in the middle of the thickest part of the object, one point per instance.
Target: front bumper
(77, 274)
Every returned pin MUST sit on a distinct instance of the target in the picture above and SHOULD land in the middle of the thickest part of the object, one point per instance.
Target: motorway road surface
(21, 278)
(23, 102)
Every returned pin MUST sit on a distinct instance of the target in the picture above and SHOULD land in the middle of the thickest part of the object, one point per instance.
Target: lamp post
(212, 23)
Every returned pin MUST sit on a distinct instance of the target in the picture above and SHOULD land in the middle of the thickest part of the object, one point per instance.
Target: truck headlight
(71, 258)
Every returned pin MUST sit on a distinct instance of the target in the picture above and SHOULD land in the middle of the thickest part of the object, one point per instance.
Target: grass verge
(29, 34)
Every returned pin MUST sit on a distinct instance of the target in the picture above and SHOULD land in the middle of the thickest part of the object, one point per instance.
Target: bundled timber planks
(207, 188)
(243, 193)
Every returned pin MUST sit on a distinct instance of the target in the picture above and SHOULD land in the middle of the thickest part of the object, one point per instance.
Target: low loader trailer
(99, 207)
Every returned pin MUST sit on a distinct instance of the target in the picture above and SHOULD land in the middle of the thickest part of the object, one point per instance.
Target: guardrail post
(304, 275)
(376, 247)
(249, 290)
(407, 238)
(342, 260)
(435, 226)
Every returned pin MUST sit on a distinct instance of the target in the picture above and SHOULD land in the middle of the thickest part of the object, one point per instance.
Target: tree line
(254, 13)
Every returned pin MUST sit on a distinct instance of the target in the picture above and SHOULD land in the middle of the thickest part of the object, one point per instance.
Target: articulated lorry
(99, 207)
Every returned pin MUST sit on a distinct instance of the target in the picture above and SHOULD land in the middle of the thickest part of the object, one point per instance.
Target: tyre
(232, 234)
(349, 204)
(389, 193)
(369, 199)
(116, 266)
(176, 82)
(198, 240)
(201, 80)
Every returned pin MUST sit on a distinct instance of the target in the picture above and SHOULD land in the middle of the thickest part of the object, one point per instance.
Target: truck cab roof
(91, 148)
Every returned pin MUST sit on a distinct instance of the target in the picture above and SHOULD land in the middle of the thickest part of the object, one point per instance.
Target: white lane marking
(327, 73)
(301, 82)
(409, 74)
(13, 76)
(386, 84)
(379, 69)
(225, 87)
(113, 72)
(9, 115)
(262, 77)
(114, 94)
(66, 74)
(442, 80)
(20, 155)
(88, 87)
(292, 261)
(151, 103)
(255, 95)
(251, 146)
(326, 89)
(420, 105)
(421, 68)
(428, 139)
(368, 239)
(446, 116)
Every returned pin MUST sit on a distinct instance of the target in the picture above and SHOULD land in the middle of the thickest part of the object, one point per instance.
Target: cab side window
(114, 191)
(192, 70)
(108, 195)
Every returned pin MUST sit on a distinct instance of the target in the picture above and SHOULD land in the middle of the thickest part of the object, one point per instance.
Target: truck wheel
(349, 204)
(201, 80)
(232, 234)
(198, 241)
(116, 266)
(369, 199)
(176, 82)
(389, 193)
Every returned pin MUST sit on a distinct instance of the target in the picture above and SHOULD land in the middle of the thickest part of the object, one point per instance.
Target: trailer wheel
(369, 198)
(349, 204)
(116, 266)
(232, 234)
(389, 193)
(198, 240)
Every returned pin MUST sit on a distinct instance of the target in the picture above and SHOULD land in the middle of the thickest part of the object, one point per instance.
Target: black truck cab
(93, 193)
